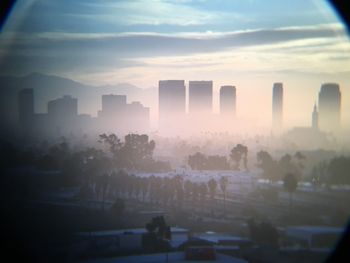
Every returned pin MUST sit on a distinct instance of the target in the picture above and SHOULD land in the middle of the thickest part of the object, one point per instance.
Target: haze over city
(249, 45)
(175, 131)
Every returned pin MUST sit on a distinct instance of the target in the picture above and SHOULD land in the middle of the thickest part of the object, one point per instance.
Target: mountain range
(49, 87)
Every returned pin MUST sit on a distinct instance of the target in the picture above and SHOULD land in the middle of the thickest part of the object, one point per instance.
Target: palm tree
(268, 165)
(203, 190)
(290, 183)
(223, 186)
(236, 155)
(212, 185)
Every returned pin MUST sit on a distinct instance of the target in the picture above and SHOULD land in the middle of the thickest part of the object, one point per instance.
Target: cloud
(156, 44)
(103, 51)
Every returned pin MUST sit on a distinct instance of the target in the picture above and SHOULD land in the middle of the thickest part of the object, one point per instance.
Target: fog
(152, 131)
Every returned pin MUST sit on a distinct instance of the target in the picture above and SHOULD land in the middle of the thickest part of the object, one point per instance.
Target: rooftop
(164, 257)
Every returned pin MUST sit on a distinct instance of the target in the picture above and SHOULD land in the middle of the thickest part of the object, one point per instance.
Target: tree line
(238, 154)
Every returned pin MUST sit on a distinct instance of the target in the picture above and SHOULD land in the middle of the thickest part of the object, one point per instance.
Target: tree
(203, 191)
(319, 174)
(212, 185)
(268, 165)
(118, 207)
(197, 161)
(223, 186)
(113, 142)
(236, 157)
(137, 151)
(338, 170)
(263, 233)
(188, 186)
(237, 153)
(158, 235)
(290, 183)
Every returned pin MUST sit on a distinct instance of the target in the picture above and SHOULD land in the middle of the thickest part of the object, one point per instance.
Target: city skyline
(250, 44)
(175, 130)
(177, 115)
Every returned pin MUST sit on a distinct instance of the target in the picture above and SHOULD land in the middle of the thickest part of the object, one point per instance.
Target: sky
(250, 44)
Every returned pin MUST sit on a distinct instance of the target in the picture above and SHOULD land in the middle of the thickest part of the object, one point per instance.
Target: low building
(177, 257)
(315, 238)
(125, 240)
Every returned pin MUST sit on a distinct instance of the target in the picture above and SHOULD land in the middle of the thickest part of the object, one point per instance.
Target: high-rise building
(314, 123)
(200, 97)
(228, 100)
(172, 98)
(329, 101)
(138, 117)
(121, 117)
(26, 108)
(62, 108)
(277, 105)
(111, 104)
(62, 114)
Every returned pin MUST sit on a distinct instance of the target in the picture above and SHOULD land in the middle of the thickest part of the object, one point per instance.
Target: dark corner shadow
(341, 7)
(5, 10)
(342, 252)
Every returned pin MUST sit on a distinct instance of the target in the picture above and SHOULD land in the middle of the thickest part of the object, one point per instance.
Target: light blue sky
(170, 16)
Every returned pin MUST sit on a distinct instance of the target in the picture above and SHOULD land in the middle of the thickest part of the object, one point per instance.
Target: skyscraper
(112, 105)
(200, 97)
(277, 105)
(314, 123)
(62, 114)
(329, 101)
(172, 105)
(228, 101)
(64, 108)
(172, 99)
(26, 108)
(121, 117)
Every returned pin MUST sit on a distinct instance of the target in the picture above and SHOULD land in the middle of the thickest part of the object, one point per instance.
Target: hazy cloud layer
(64, 51)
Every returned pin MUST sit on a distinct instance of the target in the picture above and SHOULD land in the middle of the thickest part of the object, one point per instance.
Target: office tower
(113, 113)
(329, 101)
(112, 104)
(314, 123)
(121, 117)
(172, 98)
(228, 101)
(62, 114)
(63, 108)
(277, 105)
(26, 108)
(200, 97)
(138, 117)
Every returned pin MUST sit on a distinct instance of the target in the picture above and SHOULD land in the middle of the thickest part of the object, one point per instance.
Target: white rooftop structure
(314, 237)
(218, 238)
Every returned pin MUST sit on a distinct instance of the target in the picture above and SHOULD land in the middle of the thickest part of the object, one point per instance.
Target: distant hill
(49, 87)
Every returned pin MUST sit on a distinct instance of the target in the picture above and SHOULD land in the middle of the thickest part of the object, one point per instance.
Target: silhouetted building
(138, 116)
(228, 100)
(119, 116)
(63, 108)
(26, 108)
(200, 97)
(172, 97)
(277, 105)
(111, 104)
(329, 101)
(314, 123)
(62, 114)
(172, 103)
